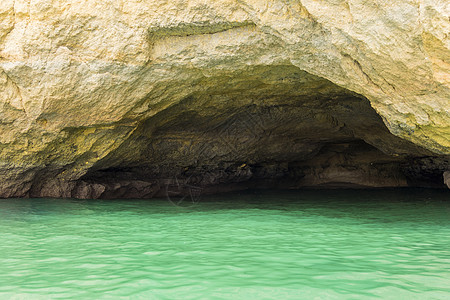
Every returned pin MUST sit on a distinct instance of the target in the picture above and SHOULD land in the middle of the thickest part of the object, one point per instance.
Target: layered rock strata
(127, 98)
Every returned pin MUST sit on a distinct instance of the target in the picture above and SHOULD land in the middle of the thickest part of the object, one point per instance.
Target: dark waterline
(330, 244)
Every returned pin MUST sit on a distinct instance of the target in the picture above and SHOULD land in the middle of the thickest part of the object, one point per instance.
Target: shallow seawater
(345, 244)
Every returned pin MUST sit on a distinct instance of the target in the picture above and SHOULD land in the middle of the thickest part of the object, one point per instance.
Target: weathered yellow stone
(78, 76)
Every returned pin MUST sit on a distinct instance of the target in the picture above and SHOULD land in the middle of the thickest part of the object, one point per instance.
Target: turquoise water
(392, 244)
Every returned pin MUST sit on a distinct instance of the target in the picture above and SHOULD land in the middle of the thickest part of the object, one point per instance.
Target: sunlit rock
(102, 97)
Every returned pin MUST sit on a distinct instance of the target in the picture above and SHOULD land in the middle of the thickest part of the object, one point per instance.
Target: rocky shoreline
(104, 99)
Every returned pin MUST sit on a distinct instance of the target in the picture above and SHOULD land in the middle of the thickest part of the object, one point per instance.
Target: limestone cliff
(104, 98)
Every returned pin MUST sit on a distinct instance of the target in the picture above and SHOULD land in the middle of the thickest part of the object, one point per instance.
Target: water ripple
(324, 245)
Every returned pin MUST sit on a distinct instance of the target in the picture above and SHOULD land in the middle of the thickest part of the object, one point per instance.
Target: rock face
(114, 98)
(447, 178)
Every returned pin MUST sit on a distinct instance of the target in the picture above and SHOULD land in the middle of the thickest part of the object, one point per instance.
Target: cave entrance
(266, 126)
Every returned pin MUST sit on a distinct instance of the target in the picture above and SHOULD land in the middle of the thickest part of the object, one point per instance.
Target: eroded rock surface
(122, 98)
(447, 178)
